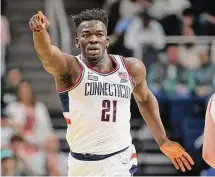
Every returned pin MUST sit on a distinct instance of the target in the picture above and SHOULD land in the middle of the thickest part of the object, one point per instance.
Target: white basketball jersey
(97, 109)
(212, 107)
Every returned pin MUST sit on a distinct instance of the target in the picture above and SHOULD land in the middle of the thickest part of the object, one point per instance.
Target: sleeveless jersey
(212, 107)
(97, 109)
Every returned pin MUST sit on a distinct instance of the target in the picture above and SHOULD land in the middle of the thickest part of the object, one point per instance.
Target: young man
(209, 132)
(95, 90)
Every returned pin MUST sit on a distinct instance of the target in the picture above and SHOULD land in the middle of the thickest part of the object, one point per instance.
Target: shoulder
(211, 106)
(136, 68)
(14, 104)
(73, 64)
(71, 59)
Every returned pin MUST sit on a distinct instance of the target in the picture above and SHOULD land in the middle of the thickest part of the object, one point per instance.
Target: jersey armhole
(128, 70)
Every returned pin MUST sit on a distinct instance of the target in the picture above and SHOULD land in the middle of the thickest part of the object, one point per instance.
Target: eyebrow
(102, 31)
(87, 31)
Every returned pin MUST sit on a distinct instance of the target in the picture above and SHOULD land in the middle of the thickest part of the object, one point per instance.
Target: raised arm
(53, 60)
(149, 109)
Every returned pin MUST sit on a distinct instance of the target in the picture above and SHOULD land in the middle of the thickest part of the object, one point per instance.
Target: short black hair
(90, 14)
(188, 12)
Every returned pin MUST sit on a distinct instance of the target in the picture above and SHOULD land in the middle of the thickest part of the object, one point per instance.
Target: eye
(100, 35)
(85, 35)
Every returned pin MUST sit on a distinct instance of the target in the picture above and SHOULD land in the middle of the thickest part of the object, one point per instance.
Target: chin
(93, 57)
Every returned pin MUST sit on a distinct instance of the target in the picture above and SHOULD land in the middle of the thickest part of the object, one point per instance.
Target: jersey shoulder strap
(122, 62)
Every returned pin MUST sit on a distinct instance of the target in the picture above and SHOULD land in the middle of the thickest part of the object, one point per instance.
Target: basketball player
(209, 133)
(95, 90)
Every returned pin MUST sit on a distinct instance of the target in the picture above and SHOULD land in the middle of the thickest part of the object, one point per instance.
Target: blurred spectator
(174, 24)
(5, 40)
(204, 75)
(188, 17)
(129, 8)
(119, 10)
(7, 130)
(31, 116)
(22, 166)
(207, 17)
(121, 15)
(191, 19)
(170, 77)
(7, 163)
(9, 86)
(56, 160)
(162, 8)
(189, 52)
(145, 37)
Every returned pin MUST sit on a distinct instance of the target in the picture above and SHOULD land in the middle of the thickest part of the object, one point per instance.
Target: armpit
(66, 78)
(63, 81)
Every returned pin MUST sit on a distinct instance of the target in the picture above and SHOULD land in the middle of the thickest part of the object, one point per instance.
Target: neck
(26, 103)
(101, 64)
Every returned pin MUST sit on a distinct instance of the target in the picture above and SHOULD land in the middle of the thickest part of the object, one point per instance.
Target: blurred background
(174, 38)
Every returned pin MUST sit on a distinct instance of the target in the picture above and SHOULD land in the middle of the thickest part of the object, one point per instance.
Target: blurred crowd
(137, 28)
(29, 146)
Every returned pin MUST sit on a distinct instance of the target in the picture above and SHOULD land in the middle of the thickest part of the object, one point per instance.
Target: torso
(97, 109)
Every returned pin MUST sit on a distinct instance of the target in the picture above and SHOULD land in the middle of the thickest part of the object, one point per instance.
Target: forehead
(92, 25)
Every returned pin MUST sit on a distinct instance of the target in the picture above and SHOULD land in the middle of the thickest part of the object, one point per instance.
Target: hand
(177, 154)
(38, 22)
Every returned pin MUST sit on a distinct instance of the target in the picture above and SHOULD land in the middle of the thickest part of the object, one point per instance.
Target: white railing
(193, 39)
(59, 28)
(199, 40)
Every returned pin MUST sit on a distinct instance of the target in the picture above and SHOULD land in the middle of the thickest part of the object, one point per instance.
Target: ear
(108, 42)
(77, 43)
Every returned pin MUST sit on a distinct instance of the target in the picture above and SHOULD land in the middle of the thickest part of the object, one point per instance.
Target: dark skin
(93, 43)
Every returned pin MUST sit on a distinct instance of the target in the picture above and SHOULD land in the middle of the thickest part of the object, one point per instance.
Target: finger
(178, 160)
(31, 27)
(42, 19)
(41, 16)
(188, 157)
(34, 25)
(185, 162)
(46, 22)
(175, 163)
(38, 22)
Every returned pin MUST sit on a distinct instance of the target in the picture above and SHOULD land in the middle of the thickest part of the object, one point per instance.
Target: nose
(93, 39)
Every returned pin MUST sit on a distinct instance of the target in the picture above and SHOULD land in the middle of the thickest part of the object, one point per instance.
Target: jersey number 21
(106, 106)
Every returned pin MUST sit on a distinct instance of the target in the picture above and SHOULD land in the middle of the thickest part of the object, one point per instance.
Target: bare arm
(149, 109)
(51, 57)
(146, 101)
(209, 140)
